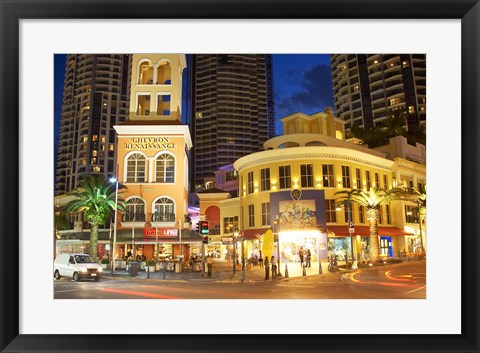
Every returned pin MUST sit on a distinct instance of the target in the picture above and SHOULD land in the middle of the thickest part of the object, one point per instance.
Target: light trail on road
(138, 294)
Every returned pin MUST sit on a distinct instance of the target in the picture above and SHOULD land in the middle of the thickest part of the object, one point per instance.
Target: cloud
(314, 94)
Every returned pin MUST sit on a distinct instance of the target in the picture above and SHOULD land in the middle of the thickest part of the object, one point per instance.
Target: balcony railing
(163, 217)
(133, 217)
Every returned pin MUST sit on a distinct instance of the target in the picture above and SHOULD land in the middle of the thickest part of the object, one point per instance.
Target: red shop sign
(149, 232)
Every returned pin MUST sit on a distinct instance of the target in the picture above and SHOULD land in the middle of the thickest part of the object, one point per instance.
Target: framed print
(305, 225)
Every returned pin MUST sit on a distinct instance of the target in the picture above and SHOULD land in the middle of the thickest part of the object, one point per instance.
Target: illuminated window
(85, 139)
(405, 64)
(135, 210)
(111, 147)
(164, 210)
(103, 139)
(394, 101)
(356, 88)
(94, 138)
(96, 169)
(411, 109)
(94, 153)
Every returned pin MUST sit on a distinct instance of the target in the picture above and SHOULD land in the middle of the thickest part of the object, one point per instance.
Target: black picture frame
(13, 11)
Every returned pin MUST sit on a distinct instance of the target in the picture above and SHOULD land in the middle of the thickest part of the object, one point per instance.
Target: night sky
(302, 83)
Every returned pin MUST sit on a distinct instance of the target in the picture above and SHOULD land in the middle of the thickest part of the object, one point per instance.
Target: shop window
(165, 168)
(285, 177)
(136, 164)
(306, 175)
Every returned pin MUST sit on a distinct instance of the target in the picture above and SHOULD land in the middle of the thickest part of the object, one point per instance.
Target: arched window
(164, 73)
(145, 73)
(164, 210)
(165, 168)
(135, 210)
(136, 168)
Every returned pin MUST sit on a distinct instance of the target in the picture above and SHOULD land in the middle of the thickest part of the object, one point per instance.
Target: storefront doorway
(386, 248)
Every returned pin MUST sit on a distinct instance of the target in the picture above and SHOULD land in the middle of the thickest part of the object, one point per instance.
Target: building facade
(232, 109)
(95, 98)
(369, 87)
(295, 181)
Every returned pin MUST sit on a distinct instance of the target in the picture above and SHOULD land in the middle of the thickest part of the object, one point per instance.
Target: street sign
(227, 241)
(351, 227)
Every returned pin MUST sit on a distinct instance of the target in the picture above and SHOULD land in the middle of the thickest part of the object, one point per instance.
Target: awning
(364, 231)
(253, 234)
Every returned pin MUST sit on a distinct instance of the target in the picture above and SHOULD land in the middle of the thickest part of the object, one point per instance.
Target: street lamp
(235, 235)
(114, 180)
(420, 225)
(347, 205)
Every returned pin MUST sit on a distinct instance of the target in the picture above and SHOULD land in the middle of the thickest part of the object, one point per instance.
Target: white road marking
(69, 290)
(414, 290)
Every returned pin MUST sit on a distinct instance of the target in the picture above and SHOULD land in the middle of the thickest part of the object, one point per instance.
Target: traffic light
(204, 227)
(276, 225)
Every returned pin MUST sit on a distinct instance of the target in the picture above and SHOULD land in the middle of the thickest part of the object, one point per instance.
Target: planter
(150, 268)
(120, 264)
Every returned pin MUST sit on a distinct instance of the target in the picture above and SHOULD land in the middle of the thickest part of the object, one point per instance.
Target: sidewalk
(223, 273)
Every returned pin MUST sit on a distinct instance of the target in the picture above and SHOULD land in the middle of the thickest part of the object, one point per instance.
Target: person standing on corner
(209, 265)
(267, 268)
(308, 258)
(300, 254)
(274, 268)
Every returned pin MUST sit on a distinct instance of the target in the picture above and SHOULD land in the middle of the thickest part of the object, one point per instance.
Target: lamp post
(235, 235)
(114, 180)
(420, 225)
(244, 275)
(347, 204)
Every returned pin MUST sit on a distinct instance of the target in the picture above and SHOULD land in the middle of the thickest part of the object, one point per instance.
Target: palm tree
(371, 200)
(96, 199)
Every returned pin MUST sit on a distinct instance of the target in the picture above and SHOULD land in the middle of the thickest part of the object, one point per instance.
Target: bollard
(320, 270)
(304, 271)
(286, 271)
(148, 272)
(244, 276)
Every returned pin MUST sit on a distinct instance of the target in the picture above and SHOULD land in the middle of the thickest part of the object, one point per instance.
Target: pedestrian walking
(209, 266)
(308, 258)
(267, 268)
(300, 254)
(260, 262)
(274, 268)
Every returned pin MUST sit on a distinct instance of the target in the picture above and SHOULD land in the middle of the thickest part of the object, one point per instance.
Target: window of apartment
(135, 210)
(306, 175)
(346, 176)
(411, 214)
(265, 213)
(232, 175)
(265, 179)
(387, 214)
(251, 215)
(358, 178)
(377, 181)
(328, 176)
(143, 104)
(165, 168)
(367, 180)
(230, 224)
(164, 210)
(385, 182)
(136, 168)
(361, 214)
(250, 183)
(285, 177)
(330, 212)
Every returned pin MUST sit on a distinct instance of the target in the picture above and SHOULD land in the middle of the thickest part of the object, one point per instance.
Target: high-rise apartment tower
(232, 109)
(96, 97)
(369, 87)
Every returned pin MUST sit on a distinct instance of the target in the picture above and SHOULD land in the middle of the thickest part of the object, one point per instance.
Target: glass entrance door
(386, 246)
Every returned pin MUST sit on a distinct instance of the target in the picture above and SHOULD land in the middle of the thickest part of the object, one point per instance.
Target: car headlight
(99, 269)
(83, 269)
